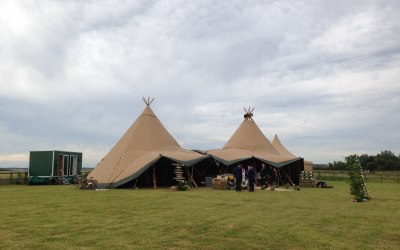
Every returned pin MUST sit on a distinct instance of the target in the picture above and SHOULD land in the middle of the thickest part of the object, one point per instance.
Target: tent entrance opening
(73, 165)
(60, 165)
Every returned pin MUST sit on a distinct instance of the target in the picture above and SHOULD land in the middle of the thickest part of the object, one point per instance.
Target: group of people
(241, 174)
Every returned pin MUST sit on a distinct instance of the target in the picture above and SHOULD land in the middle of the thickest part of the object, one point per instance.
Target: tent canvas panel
(232, 155)
(249, 137)
(280, 148)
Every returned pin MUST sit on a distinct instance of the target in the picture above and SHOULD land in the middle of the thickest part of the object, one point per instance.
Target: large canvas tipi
(144, 144)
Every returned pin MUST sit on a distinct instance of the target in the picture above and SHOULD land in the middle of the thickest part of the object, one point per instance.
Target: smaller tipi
(283, 151)
(280, 148)
(249, 146)
(248, 141)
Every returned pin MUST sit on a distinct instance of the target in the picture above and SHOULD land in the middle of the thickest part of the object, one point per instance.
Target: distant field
(60, 217)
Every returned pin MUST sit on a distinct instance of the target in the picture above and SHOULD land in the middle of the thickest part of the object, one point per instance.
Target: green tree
(384, 161)
(387, 161)
(367, 162)
(337, 165)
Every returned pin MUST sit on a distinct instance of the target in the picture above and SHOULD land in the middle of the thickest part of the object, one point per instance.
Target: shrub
(357, 184)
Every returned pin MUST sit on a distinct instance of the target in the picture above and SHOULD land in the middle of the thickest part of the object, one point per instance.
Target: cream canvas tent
(283, 151)
(146, 144)
(250, 146)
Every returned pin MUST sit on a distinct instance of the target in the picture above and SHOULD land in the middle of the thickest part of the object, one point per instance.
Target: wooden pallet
(307, 184)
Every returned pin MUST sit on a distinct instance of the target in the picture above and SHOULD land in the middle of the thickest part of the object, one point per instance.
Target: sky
(322, 75)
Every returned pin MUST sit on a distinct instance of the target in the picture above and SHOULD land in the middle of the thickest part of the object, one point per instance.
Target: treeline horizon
(384, 161)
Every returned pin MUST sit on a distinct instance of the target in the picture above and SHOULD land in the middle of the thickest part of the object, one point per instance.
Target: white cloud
(361, 32)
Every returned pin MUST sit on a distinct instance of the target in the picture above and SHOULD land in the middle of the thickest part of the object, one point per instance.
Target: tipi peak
(148, 101)
(248, 113)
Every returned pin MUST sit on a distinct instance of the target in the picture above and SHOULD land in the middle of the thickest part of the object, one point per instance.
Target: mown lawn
(60, 217)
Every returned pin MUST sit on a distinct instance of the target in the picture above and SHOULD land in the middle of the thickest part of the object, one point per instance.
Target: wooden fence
(383, 176)
(15, 177)
(8, 177)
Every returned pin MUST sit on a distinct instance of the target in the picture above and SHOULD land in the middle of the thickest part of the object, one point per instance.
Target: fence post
(381, 178)
(11, 177)
(398, 178)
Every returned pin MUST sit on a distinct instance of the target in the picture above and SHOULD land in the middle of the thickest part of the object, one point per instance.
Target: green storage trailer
(54, 167)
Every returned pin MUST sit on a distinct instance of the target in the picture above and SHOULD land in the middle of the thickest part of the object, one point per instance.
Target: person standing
(274, 177)
(237, 172)
(258, 178)
(263, 175)
(244, 178)
(251, 174)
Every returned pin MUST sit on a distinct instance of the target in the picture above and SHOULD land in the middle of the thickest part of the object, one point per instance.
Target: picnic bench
(322, 184)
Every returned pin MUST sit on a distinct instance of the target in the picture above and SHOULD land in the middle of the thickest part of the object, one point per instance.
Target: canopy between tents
(255, 156)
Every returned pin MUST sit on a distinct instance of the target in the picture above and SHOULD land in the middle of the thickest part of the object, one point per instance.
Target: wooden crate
(220, 183)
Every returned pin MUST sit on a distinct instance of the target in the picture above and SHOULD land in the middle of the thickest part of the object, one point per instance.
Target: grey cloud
(322, 75)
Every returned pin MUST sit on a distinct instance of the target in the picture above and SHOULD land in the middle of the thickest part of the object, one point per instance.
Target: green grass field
(60, 217)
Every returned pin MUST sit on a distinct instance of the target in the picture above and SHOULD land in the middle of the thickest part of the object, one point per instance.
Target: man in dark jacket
(251, 173)
(237, 172)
